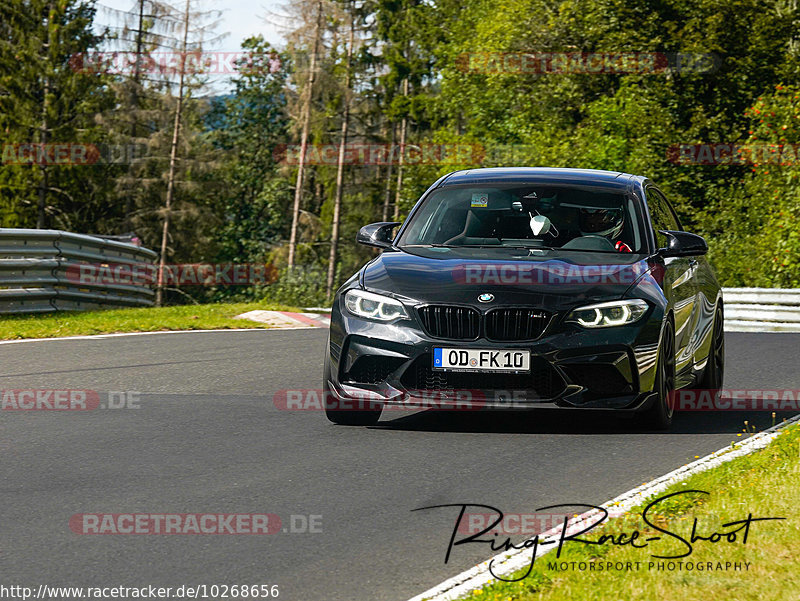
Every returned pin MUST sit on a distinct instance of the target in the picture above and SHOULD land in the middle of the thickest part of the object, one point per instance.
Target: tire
(659, 415)
(714, 373)
(366, 417)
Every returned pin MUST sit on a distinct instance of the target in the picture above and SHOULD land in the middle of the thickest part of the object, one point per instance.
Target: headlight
(373, 306)
(604, 315)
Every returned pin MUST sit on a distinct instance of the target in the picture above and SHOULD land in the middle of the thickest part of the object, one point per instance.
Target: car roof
(540, 175)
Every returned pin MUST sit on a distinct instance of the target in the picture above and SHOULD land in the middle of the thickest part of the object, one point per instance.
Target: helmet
(601, 222)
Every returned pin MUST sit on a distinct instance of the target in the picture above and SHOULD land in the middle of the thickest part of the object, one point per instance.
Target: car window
(662, 216)
(587, 218)
(675, 217)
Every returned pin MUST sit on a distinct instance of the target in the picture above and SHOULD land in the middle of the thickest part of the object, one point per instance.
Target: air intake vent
(372, 369)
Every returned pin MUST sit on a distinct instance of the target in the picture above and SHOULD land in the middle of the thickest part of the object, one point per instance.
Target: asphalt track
(207, 438)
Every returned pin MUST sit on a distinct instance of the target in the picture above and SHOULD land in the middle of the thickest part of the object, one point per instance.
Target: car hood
(552, 280)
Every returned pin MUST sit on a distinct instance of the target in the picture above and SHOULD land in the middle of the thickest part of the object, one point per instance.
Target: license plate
(456, 359)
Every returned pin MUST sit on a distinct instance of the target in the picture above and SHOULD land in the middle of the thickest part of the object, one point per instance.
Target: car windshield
(565, 217)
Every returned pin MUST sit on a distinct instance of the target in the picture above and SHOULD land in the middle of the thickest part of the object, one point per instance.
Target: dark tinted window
(562, 216)
(662, 215)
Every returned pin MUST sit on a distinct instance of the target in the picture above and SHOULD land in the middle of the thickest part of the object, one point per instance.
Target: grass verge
(765, 483)
(144, 319)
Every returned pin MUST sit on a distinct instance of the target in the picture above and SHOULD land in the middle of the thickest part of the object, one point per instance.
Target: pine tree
(46, 100)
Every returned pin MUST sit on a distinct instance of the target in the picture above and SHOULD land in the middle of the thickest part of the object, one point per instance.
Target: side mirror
(683, 244)
(377, 234)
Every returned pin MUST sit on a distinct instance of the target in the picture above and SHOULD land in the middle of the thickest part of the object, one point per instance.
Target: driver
(604, 222)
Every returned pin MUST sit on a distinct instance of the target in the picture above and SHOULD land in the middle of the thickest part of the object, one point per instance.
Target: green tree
(755, 226)
(248, 126)
(46, 100)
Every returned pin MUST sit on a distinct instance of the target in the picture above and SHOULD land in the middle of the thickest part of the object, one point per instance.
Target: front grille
(372, 369)
(453, 323)
(543, 381)
(464, 323)
(515, 324)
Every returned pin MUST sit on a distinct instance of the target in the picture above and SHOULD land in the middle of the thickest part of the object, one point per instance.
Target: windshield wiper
(456, 246)
(510, 246)
(514, 247)
(595, 250)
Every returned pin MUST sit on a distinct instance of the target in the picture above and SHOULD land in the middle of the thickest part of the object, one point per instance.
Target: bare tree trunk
(43, 184)
(43, 131)
(403, 132)
(298, 187)
(337, 204)
(137, 76)
(137, 69)
(173, 153)
(387, 196)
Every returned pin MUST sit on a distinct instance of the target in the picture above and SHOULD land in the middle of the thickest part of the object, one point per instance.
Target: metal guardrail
(37, 272)
(762, 309)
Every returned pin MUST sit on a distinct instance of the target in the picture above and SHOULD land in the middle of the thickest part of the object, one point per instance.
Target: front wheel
(659, 415)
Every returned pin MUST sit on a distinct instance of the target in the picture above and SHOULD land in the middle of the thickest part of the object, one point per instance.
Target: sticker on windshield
(480, 199)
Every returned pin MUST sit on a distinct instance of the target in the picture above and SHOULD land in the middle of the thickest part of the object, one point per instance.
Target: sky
(240, 19)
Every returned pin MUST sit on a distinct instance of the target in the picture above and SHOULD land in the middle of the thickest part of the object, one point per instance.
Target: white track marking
(515, 560)
(118, 335)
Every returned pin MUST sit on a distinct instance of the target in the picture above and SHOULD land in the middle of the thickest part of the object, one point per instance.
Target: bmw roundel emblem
(486, 297)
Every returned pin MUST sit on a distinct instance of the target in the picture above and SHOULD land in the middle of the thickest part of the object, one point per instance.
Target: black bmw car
(525, 288)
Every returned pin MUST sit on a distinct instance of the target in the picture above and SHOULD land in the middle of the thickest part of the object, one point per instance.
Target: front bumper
(571, 367)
